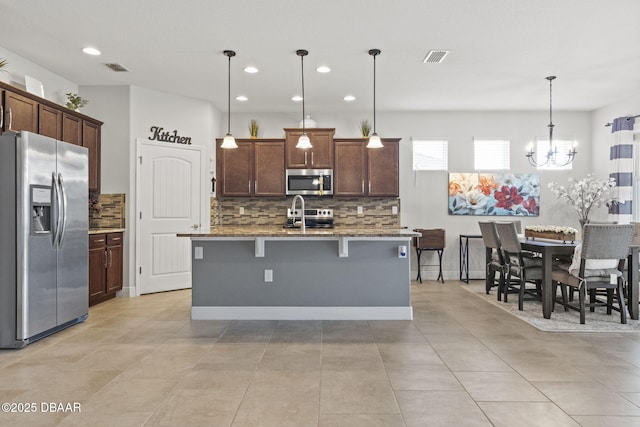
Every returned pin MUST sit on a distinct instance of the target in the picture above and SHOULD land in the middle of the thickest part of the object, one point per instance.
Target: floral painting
(494, 194)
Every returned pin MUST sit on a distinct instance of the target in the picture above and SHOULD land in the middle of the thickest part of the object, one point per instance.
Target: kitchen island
(284, 274)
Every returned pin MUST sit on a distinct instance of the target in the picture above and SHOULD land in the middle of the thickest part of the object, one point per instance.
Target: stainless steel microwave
(310, 182)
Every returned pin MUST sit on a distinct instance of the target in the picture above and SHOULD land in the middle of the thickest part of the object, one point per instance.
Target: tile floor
(460, 362)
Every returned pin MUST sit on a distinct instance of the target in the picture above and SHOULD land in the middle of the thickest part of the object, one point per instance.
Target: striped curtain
(621, 169)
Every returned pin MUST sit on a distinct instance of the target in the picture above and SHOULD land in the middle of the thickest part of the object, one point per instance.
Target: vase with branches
(253, 128)
(365, 128)
(585, 194)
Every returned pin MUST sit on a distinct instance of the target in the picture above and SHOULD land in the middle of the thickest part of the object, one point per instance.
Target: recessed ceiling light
(242, 98)
(323, 69)
(91, 51)
(250, 69)
(349, 98)
(296, 98)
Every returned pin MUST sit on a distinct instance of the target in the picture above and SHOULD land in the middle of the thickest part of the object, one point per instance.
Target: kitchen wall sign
(159, 134)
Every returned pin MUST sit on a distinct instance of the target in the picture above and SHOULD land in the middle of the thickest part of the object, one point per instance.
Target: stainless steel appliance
(314, 218)
(43, 237)
(310, 182)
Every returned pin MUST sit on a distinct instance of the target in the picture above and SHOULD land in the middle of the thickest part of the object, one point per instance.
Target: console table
(464, 255)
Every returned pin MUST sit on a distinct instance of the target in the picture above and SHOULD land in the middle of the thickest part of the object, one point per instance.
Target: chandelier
(552, 157)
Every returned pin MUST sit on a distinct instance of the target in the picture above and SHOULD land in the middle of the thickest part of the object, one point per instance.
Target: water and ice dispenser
(40, 209)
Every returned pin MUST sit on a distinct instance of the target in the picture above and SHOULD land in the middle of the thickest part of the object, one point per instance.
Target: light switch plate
(359, 210)
(394, 210)
(241, 210)
(198, 253)
(268, 275)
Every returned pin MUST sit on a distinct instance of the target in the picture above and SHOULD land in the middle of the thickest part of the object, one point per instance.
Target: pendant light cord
(229, 99)
(302, 67)
(374, 94)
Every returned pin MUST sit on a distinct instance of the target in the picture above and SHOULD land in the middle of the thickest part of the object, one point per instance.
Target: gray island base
(287, 275)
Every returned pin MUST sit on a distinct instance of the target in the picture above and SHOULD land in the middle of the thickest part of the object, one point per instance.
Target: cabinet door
(91, 140)
(382, 167)
(349, 174)
(296, 158)
(97, 263)
(71, 129)
(49, 121)
(20, 113)
(322, 151)
(114, 262)
(234, 169)
(320, 156)
(269, 177)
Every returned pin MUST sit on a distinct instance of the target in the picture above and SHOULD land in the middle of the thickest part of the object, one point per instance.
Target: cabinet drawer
(114, 239)
(97, 240)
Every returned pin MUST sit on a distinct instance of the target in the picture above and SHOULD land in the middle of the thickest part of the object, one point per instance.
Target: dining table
(549, 249)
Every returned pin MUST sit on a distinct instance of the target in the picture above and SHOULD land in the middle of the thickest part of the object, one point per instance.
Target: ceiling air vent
(435, 56)
(116, 67)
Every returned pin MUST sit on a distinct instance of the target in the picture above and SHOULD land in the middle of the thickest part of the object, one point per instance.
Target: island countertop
(272, 231)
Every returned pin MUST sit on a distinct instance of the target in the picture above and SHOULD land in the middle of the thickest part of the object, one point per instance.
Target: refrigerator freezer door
(73, 251)
(36, 254)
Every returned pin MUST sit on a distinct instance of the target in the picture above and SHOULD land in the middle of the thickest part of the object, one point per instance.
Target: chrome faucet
(293, 211)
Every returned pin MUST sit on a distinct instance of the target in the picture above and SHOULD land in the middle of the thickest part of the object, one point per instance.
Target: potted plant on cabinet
(365, 128)
(253, 128)
(75, 101)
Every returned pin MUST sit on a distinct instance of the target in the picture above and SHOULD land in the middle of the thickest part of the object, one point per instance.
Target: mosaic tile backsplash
(111, 214)
(377, 212)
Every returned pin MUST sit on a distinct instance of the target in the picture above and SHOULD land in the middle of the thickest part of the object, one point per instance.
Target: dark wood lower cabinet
(105, 266)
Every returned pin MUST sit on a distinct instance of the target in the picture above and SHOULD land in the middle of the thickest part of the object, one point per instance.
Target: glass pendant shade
(229, 142)
(374, 141)
(303, 142)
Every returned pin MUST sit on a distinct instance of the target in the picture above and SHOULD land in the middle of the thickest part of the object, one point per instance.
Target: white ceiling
(501, 50)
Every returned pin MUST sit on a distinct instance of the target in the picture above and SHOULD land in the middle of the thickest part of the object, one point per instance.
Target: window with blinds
(491, 154)
(430, 155)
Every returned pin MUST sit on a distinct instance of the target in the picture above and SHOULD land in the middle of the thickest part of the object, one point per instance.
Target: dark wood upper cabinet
(255, 168)
(361, 171)
(91, 140)
(320, 156)
(350, 172)
(234, 169)
(71, 129)
(20, 113)
(382, 170)
(269, 176)
(20, 110)
(49, 121)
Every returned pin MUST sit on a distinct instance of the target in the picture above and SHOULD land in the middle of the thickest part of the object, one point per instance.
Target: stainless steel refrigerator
(43, 237)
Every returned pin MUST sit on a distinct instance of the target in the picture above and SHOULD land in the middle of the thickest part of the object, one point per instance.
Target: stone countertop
(266, 231)
(105, 230)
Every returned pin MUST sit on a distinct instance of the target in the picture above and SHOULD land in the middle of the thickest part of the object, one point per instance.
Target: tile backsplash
(111, 214)
(376, 212)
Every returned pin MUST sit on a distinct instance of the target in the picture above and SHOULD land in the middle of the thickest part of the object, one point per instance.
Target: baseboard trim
(302, 313)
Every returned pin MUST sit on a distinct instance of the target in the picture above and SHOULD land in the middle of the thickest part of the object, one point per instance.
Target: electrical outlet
(268, 275)
(402, 251)
(394, 210)
(198, 252)
(359, 210)
(241, 210)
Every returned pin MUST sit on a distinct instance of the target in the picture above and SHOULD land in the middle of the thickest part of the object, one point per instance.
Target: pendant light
(551, 157)
(229, 141)
(303, 142)
(374, 139)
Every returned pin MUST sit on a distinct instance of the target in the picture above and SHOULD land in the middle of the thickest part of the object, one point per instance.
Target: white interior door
(169, 195)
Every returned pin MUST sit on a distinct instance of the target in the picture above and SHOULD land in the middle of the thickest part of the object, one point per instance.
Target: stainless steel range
(314, 218)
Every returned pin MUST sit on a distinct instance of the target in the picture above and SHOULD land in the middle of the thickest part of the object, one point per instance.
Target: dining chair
(497, 262)
(523, 269)
(598, 265)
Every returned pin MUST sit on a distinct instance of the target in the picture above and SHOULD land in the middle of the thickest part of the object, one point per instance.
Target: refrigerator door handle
(57, 210)
(64, 210)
